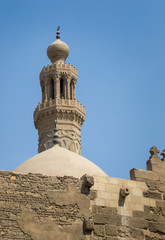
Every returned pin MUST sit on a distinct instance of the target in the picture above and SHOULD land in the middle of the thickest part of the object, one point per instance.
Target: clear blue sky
(118, 48)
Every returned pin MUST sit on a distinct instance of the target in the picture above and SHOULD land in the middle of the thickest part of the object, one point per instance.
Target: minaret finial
(55, 135)
(58, 32)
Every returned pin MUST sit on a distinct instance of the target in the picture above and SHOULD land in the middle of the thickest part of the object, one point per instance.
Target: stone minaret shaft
(58, 84)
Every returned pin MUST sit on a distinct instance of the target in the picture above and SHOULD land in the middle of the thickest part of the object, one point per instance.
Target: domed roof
(58, 161)
(58, 50)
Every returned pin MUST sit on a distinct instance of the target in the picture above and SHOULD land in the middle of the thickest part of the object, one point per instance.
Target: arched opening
(71, 89)
(61, 88)
(52, 89)
(43, 93)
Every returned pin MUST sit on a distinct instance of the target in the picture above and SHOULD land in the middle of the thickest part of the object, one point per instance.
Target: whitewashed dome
(58, 51)
(58, 161)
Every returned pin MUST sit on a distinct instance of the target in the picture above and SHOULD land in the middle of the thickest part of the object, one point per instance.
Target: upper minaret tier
(59, 104)
(58, 51)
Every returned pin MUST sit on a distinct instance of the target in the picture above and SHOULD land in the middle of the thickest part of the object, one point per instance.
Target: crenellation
(60, 67)
(63, 103)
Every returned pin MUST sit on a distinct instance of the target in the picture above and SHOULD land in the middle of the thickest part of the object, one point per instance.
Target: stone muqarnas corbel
(124, 192)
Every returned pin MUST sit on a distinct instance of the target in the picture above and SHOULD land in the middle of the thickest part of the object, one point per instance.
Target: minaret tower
(59, 104)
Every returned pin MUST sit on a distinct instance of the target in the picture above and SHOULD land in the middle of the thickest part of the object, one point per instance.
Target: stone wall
(37, 207)
(140, 214)
(40, 207)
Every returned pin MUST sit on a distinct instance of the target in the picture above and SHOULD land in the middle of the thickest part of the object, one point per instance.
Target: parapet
(60, 68)
(154, 176)
(61, 103)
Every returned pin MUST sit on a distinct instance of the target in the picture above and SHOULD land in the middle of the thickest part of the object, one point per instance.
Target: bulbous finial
(58, 51)
(58, 32)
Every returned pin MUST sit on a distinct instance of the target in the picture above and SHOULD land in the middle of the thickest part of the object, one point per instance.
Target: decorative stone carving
(163, 154)
(154, 152)
(156, 164)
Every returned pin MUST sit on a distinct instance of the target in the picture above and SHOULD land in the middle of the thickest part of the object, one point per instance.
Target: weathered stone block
(99, 230)
(157, 227)
(149, 209)
(93, 194)
(114, 238)
(154, 195)
(136, 234)
(134, 222)
(88, 224)
(105, 218)
(88, 181)
(111, 230)
(153, 238)
(106, 210)
(143, 215)
(138, 223)
(143, 175)
(95, 238)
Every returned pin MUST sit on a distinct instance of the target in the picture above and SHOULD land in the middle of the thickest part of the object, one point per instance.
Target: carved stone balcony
(72, 108)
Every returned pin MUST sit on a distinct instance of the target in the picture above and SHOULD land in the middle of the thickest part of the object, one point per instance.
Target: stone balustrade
(62, 103)
(59, 66)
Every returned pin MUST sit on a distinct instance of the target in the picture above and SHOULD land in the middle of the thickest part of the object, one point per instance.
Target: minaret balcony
(54, 105)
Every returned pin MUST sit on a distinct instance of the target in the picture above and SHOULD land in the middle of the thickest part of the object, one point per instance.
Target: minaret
(59, 104)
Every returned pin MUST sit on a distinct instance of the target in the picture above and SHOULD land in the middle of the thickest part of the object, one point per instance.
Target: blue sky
(118, 48)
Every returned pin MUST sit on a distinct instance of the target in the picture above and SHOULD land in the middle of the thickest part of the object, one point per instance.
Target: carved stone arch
(63, 84)
(43, 91)
(71, 89)
(52, 88)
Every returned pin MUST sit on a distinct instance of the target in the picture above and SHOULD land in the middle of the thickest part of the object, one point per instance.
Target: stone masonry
(58, 85)
(37, 207)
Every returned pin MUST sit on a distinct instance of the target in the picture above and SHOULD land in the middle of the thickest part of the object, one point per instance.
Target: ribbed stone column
(57, 86)
(68, 89)
(65, 89)
(74, 91)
